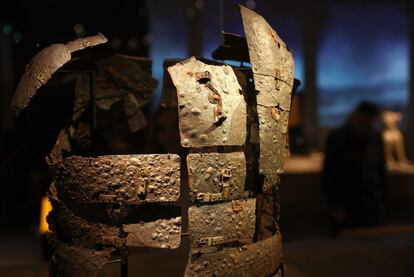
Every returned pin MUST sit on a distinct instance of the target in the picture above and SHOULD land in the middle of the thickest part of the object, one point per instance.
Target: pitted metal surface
(41, 68)
(69, 260)
(273, 128)
(216, 176)
(73, 229)
(212, 109)
(82, 43)
(268, 53)
(272, 92)
(272, 65)
(262, 258)
(162, 233)
(108, 203)
(212, 225)
(131, 179)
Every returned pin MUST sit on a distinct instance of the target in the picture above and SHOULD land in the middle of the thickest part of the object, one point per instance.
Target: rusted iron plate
(216, 176)
(271, 181)
(61, 147)
(162, 233)
(69, 260)
(134, 114)
(268, 52)
(272, 92)
(70, 228)
(262, 258)
(212, 225)
(130, 179)
(272, 61)
(44, 64)
(268, 208)
(117, 78)
(273, 127)
(82, 43)
(212, 109)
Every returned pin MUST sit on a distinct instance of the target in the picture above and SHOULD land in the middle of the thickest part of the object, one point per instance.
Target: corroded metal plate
(268, 208)
(82, 43)
(272, 65)
(268, 53)
(130, 179)
(273, 127)
(74, 229)
(212, 109)
(162, 233)
(272, 92)
(117, 77)
(262, 258)
(222, 223)
(42, 66)
(69, 260)
(216, 176)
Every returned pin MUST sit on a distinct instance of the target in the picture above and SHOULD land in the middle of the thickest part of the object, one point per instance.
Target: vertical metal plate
(272, 65)
(273, 127)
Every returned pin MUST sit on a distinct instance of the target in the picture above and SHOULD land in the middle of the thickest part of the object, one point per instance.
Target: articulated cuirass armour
(233, 122)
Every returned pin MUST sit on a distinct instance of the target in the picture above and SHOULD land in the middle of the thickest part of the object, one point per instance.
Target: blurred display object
(394, 148)
(45, 209)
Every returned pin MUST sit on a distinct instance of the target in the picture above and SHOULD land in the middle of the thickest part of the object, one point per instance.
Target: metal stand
(92, 81)
(124, 262)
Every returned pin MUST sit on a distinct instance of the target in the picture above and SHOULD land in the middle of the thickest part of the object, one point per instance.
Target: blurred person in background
(354, 173)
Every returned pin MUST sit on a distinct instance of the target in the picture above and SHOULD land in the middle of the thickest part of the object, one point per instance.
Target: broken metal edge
(44, 64)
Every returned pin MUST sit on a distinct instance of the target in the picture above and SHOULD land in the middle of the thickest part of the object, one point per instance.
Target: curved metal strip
(44, 64)
(66, 225)
(263, 258)
(130, 179)
(69, 260)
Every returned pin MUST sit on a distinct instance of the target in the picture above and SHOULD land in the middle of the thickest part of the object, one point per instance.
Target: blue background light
(363, 55)
(362, 52)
